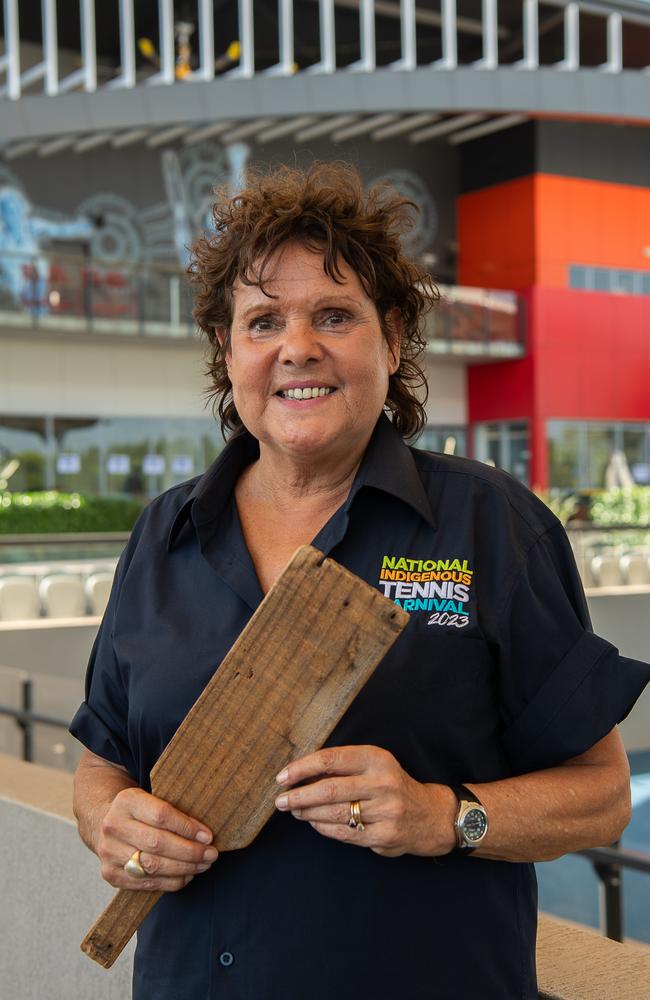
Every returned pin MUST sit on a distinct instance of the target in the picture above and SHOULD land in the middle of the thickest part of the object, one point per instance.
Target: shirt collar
(387, 465)
(212, 490)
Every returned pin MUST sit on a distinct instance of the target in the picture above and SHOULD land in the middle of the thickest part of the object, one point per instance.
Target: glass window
(450, 440)
(505, 445)
(609, 279)
(136, 457)
(563, 455)
(519, 452)
(492, 445)
(24, 453)
(585, 455)
(77, 458)
(578, 277)
(601, 443)
(636, 447)
(622, 281)
(602, 279)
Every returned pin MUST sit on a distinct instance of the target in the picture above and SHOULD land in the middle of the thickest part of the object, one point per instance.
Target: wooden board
(280, 691)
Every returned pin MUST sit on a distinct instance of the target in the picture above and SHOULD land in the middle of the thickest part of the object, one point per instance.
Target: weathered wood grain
(305, 654)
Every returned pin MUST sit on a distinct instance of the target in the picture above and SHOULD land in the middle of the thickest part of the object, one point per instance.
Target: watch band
(463, 794)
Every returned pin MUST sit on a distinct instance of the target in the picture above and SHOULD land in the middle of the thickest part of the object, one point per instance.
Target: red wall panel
(589, 359)
(528, 231)
(580, 221)
(496, 235)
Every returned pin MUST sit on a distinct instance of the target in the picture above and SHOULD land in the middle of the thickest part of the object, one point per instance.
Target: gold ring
(355, 821)
(133, 866)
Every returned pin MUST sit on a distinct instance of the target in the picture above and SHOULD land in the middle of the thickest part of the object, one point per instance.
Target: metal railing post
(610, 894)
(26, 723)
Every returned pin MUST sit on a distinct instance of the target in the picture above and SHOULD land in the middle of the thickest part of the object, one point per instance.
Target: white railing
(512, 34)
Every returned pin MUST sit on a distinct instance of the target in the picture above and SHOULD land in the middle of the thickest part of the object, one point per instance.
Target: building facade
(521, 133)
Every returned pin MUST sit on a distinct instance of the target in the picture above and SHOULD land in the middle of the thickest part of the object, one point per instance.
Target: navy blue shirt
(497, 674)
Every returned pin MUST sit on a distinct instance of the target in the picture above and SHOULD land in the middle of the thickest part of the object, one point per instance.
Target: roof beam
(284, 128)
(207, 132)
(245, 129)
(404, 125)
(167, 135)
(124, 139)
(363, 127)
(19, 149)
(56, 145)
(487, 128)
(324, 127)
(92, 141)
(444, 127)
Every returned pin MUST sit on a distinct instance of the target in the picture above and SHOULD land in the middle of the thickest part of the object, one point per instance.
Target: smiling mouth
(309, 392)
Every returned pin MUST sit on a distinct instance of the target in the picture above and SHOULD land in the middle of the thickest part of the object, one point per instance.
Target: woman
(485, 737)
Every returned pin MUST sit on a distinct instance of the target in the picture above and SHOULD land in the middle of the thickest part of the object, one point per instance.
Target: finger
(330, 760)
(120, 879)
(341, 832)
(329, 791)
(156, 866)
(155, 812)
(130, 835)
(340, 813)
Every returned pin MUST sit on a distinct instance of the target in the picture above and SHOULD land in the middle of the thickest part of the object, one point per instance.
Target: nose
(300, 345)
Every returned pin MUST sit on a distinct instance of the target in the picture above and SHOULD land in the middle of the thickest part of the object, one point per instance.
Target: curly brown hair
(325, 208)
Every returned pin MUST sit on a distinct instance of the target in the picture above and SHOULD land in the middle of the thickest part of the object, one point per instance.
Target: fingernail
(203, 837)
(211, 854)
(282, 776)
(282, 801)
(203, 868)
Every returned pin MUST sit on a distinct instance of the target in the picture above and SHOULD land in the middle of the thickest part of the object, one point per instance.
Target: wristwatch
(471, 823)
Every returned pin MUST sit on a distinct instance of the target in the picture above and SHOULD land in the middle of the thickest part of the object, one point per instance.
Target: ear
(394, 324)
(223, 336)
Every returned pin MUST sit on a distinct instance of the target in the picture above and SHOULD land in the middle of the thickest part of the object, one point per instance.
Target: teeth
(311, 392)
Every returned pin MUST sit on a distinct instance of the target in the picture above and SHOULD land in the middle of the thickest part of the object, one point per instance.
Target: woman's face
(307, 359)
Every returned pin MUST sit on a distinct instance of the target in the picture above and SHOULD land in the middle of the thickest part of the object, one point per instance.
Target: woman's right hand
(174, 847)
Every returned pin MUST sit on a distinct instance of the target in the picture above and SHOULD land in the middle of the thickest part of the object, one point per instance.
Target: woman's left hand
(400, 815)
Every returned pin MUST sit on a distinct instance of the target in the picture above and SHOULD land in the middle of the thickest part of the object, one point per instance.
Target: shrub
(51, 512)
(629, 506)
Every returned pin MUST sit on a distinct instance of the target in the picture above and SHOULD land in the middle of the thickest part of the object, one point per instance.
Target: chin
(305, 445)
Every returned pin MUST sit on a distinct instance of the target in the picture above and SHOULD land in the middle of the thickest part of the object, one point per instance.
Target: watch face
(474, 825)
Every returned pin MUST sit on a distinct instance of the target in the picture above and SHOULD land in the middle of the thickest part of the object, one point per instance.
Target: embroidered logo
(439, 586)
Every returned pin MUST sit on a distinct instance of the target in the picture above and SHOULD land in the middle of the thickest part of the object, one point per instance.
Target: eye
(335, 317)
(267, 323)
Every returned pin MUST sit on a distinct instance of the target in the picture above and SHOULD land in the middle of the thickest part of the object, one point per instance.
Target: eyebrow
(331, 300)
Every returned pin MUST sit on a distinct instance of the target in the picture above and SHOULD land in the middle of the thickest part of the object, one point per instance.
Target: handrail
(26, 719)
(86, 260)
(607, 861)
(607, 864)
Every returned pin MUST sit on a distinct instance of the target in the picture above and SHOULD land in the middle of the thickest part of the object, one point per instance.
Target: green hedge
(619, 506)
(51, 512)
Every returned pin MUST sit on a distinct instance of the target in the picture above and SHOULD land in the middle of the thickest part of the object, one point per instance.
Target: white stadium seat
(635, 569)
(98, 588)
(18, 598)
(606, 571)
(62, 596)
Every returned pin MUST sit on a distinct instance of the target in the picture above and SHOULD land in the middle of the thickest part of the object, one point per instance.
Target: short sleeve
(101, 721)
(562, 688)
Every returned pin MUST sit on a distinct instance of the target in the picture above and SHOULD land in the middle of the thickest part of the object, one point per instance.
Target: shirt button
(226, 958)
